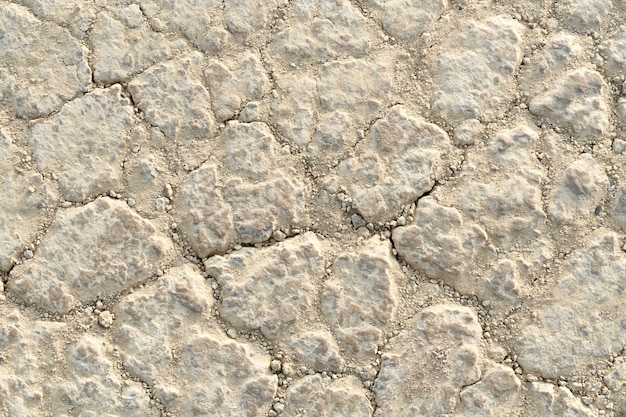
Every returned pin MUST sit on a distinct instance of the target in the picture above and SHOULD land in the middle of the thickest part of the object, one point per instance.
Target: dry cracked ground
(365, 208)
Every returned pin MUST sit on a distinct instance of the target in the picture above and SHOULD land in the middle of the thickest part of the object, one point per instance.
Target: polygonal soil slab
(70, 265)
(51, 65)
(270, 288)
(85, 143)
(442, 344)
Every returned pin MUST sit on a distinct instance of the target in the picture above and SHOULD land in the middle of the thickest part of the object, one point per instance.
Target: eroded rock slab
(579, 191)
(85, 143)
(318, 396)
(235, 83)
(323, 28)
(256, 192)
(443, 344)
(574, 328)
(394, 166)
(270, 288)
(474, 81)
(576, 102)
(409, 19)
(173, 99)
(241, 383)
(41, 64)
(614, 51)
(70, 266)
(360, 298)
(126, 45)
(443, 245)
(149, 323)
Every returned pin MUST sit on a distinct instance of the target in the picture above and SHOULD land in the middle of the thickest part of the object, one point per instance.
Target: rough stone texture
(26, 196)
(575, 102)
(41, 64)
(360, 298)
(442, 245)
(235, 83)
(614, 52)
(505, 196)
(355, 85)
(22, 365)
(474, 81)
(443, 343)
(241, 384)
(270, 288)
(317, 396)
(77, 16)
(85, 143)
(254, 194)
(126, 45)
(150, 323)
(408, 19)
(547, 400)
(318, 350)
(69, 266)
(574, 328)
(494, 395)
(394, 166)
(323, 29)
(579, 190)
(294, 113)
(173, 100)
(584, 14)
(92, 383)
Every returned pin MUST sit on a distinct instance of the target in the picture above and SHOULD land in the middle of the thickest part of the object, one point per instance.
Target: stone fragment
(475, 80)
(614, 52)
(356, 85)
(91, 383)
(29, 354)
(548, 400)
(85, 143)
(562, 49)
(293, 115)
(52, 65)
(70, 265)
(360, 298)
(258, 194)
(246, 18)
(121, 50)
(408, 19)
(270, 288)
(466, 132)
(315, 395)
(240, 379)
(494, 395)
(580, 189)
(334, 134)
(151, 322)
(26, 196)
(317, 350)
(235, 83)
(443, 345)
(321, 30)
(574, 329)
(394, 166)
(77, 16)
(583, 14)
(173, 99)
(504, 195)
(575, 102)
(199, 21)
(443, 246)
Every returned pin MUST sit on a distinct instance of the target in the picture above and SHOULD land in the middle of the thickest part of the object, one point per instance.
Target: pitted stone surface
(69, 266)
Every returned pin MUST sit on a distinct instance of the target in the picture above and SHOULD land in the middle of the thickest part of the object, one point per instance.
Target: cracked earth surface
(365, 208)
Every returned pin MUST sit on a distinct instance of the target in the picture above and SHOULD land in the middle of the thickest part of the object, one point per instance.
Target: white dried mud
(347, 208)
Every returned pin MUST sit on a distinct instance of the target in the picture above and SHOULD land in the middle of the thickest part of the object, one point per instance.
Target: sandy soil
(360, 208)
